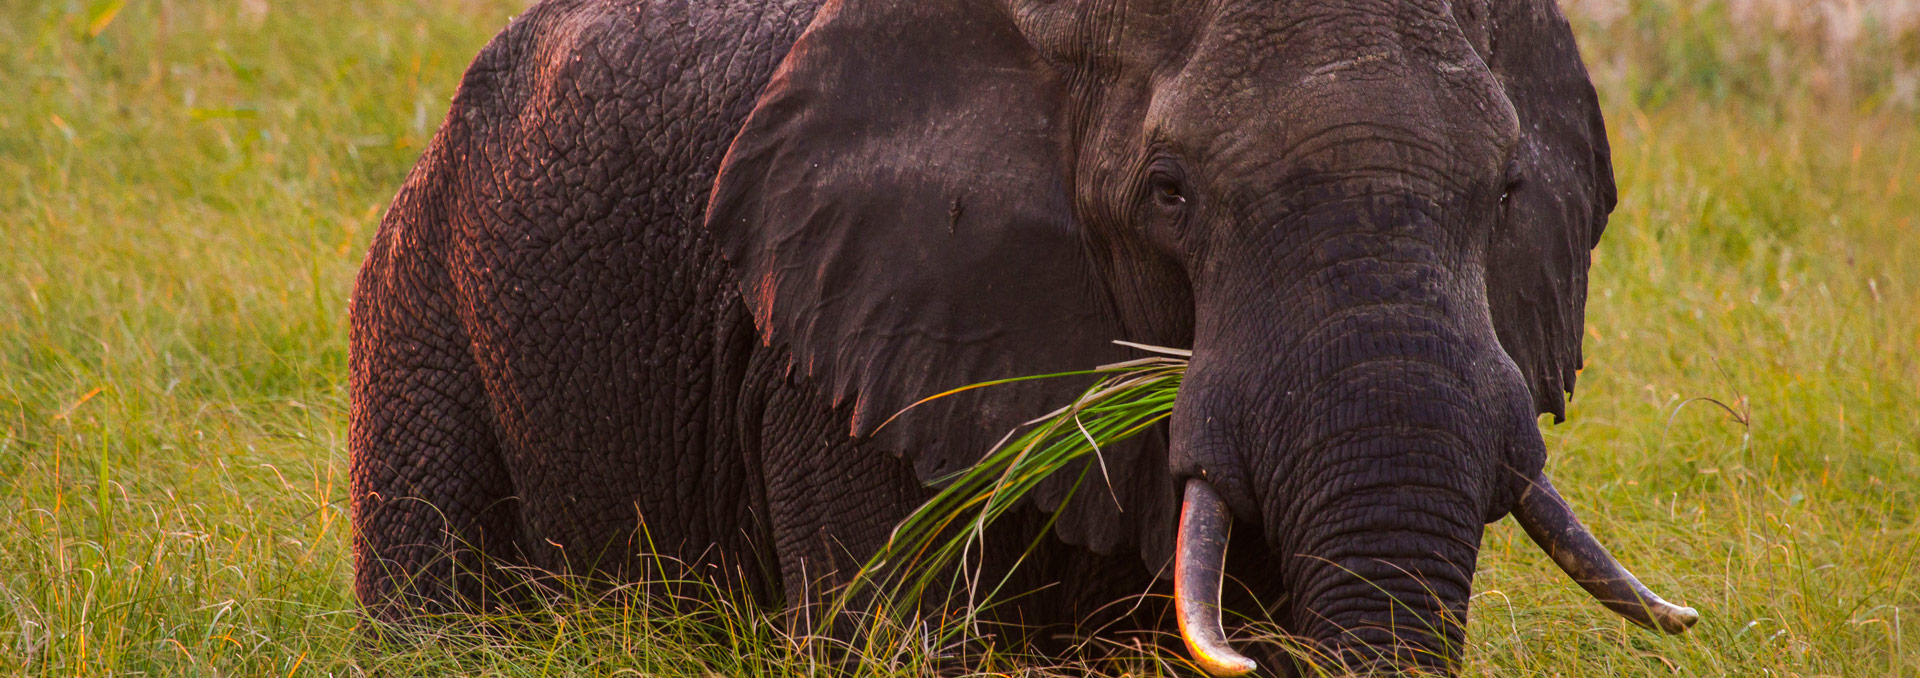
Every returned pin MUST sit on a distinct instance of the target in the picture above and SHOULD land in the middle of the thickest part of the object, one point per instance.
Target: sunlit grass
(186, 192)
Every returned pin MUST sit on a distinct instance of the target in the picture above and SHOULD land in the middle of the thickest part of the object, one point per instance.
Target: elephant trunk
(1370, 479)
(1387, 591)
(1368, 428)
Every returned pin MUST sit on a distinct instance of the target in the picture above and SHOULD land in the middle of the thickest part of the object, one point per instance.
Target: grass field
(186, 189)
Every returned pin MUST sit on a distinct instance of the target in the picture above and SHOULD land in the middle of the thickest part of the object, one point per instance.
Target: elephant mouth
(1201, 551)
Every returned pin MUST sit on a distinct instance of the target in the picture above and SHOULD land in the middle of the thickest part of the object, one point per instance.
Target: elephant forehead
(1145, 36)
(1336, 86)
(1321, 37)
(1318, 46)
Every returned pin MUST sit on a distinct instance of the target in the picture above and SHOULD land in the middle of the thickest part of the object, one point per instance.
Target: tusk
(1198, 562)
(1551, 523)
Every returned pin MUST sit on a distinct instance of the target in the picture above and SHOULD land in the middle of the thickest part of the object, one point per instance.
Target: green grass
(186, 189)
(1125, 400)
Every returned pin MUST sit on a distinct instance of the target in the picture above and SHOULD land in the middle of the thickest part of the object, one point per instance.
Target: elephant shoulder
(585, 112)
(648, 63)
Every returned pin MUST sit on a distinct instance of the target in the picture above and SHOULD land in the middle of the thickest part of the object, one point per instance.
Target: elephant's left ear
(896, 212)
(1537, 268)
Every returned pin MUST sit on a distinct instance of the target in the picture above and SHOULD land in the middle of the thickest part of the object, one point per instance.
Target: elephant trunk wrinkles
(1388, 493)
(1378, 594)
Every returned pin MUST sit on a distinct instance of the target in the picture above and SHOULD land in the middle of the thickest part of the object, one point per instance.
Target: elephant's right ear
(896, 212)
(1537, 273)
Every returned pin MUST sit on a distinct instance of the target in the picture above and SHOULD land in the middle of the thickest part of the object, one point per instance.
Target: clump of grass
(1127, 399)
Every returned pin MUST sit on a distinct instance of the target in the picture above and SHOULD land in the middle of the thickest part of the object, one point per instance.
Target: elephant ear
(896, 212)
(1537, 267)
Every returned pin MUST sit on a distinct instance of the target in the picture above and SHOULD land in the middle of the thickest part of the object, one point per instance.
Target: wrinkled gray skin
(663, 272)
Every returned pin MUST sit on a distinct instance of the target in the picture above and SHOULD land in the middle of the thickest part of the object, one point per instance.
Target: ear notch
(896, 212)
(1537, 268)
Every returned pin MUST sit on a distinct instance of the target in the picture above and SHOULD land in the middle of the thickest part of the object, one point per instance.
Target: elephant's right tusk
(1198, 564)
(1551, 523)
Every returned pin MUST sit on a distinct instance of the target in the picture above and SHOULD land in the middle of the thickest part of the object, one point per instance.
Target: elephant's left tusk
(1552, 525)
(1198, 564)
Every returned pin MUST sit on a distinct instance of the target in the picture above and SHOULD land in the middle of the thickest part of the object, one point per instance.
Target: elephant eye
(1167, 190)
(1514, 177)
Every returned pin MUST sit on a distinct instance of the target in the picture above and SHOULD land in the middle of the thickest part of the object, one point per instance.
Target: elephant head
(1370, 221)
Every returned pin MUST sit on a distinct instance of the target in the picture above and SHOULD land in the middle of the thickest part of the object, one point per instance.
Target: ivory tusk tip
(1677, 619)
(1223, 664)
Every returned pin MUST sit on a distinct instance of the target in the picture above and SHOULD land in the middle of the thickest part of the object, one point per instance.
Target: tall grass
(186, 189)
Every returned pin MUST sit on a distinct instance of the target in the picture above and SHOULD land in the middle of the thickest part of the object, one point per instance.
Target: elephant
(667, 266)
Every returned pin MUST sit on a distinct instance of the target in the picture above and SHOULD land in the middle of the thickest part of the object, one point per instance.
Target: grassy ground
(186, 189)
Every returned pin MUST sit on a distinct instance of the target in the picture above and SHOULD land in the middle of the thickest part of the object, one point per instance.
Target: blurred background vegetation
(1763, 54)
(187, 187)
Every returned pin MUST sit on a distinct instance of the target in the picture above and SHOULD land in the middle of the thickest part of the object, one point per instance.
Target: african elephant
(669, 263)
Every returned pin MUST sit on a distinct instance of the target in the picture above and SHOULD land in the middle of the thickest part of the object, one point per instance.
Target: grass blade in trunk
(1127, 399)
